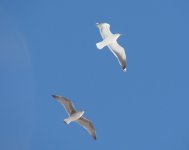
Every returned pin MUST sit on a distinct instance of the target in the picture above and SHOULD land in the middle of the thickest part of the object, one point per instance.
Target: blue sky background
(48, 47)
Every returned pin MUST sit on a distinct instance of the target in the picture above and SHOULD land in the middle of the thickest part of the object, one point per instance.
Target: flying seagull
(76, 116)
(110, 40)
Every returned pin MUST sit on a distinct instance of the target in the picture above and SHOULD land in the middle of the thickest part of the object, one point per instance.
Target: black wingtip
(54, 96)
(124, 68)
(94, 137)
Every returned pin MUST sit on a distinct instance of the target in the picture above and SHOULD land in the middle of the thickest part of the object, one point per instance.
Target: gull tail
(100, 45)
(67, 121)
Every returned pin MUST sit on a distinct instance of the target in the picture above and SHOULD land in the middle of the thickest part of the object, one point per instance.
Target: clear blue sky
(49, 47)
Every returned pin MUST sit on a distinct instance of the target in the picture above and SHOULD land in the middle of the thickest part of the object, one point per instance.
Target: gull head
(82, 112)
(118, 34)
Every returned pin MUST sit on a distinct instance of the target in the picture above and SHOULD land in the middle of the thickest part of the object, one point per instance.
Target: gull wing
(104, 30)
(87, 125)
(69, 107)
(119, 52)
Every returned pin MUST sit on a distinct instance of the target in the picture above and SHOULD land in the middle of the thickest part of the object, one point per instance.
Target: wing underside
(68, 105)
(88, 126)
(119, 52)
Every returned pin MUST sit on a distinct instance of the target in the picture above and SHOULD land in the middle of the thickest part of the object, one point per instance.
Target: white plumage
(110, 40)
(76, 116)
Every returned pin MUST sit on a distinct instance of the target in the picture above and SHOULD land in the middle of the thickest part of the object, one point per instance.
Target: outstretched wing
(104, 30)
(119, 52)
(88, 126)
(69, 107)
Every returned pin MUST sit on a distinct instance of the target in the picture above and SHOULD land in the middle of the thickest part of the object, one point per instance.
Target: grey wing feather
(88, 126)
(119, 52)
(69, 107)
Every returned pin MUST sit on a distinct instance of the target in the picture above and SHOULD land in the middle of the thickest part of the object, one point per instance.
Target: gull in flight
(76, 116)
(110, 40)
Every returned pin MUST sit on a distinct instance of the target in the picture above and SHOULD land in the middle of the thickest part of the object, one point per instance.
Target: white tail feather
(100, 45)
(67, 121)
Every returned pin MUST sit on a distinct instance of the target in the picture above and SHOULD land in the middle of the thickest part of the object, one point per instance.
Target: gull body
(107, 41)
(73, 117)
(110, 40)
(76, 116)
